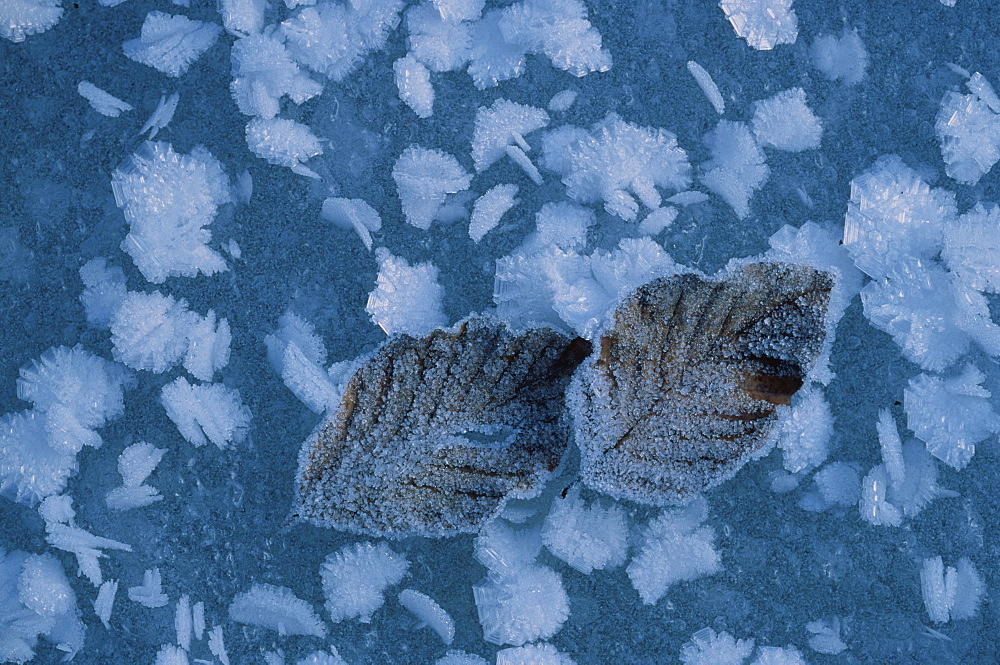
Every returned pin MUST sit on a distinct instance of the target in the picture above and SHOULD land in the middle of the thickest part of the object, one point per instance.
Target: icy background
(223, 522)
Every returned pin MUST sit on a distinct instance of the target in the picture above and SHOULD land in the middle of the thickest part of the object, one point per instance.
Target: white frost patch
(805, 435)
(533, 654)
(490, 208)
(206, 412)
(441, 45)
(737, 168)
(22, 18)
(492, 58)
(524, 604)
(762, 23)
(841, 58)
(456, 657)
(874, 505)
(893, 214)
(658, 220)
(968, 128)
(710, 648)
(283, 142)
(778, 656)
(950, 593)
(264, 72)
(562, 101)
(407, 299)
(171, 44)
(424, 179)
(413, 81)
(837, 484)
(353, 214)
(951, 415)
(62, 533)
(972, 247)
(429, 612)
(356, 577)
(559, 29)
(103, 293)
(587, 537)
(183, 622)
(503, 124)
(675, 548)
(171, 655)
(134, 465)
(298, 355)
(150, 592)
(103, 102)
(617, 162)
(168, 200)
(708, 86)
(785, 121)
(217, 645)
(242, 17)
(276, 608)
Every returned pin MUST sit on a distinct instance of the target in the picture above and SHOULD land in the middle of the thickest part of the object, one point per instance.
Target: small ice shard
(429, 612)
(62, 533)
(355, 579)
(171, 44)
(442, 45)
(389, 461)
(501, 125)
(762, 23)
(490, 208)
(561, 101)
(968, 128)
(785, 122)
(283, 142)
(737, 168)
(264, 72)
(134, 465)
(413, 80)
(843, 58)
(105, 600)
(424, 179)
(658, 220)
(21, 18)
(709, 395)
(353, 214)
(276, 608)
(710, 648)
(407, 299)
(217, 645)
(617, 162)
(825, 636)
(103, 102)
(150, 592)
(708, 86)
(161, 116)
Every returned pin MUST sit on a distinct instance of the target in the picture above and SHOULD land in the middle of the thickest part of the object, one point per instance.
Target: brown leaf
(690, 379)
(433, 435)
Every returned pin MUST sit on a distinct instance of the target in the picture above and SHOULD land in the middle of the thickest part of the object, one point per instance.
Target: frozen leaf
(692, 375)
(435, 434)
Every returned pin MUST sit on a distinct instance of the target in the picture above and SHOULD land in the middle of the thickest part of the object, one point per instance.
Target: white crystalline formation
(355, 579)
(764, 24)
(22, 18)
(276, 608)
(171, 44)
(617, 162)
(424, 179)
(968, 127)
(737, 168)
(168, 200)
(284, 142)
(264, 72)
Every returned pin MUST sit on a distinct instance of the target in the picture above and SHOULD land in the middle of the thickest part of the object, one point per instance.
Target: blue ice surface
(223, 524)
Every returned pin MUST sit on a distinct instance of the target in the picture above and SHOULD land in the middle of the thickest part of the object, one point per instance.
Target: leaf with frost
(692, 377)
(391, 461)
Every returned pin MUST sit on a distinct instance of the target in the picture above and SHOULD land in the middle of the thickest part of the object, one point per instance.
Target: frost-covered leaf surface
(424, 442)
(691, 376)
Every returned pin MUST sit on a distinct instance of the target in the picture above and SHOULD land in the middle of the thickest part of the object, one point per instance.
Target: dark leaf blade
(433, 435)
(691, 378)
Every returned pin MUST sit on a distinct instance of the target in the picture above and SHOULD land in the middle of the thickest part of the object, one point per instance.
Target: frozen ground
(223, 522)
